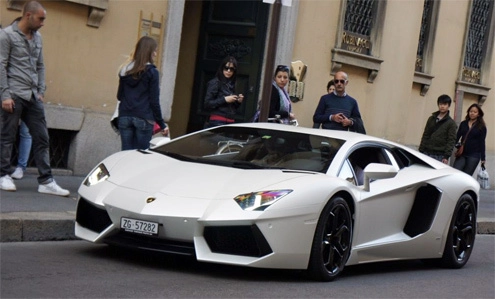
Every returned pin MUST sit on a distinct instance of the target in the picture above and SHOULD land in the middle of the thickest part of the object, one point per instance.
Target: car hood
(156, 173)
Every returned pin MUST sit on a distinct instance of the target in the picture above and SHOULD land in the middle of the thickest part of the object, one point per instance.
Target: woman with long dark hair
(472, 134)
(221, 100)
(139, 96)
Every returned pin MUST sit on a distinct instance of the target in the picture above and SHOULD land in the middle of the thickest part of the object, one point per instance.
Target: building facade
(399, 55)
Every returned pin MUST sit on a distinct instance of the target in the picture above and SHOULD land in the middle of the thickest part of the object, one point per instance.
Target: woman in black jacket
(220, 99)
(139, 96)
(473, 132)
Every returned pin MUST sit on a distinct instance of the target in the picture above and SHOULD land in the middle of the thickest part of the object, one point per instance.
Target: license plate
(139, 226)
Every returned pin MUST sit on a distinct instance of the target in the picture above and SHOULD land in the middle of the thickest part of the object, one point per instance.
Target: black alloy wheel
(462, 233)
(332, 241)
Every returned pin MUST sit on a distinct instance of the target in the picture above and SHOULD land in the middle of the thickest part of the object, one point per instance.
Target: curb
(58, 226)
(486, 226)
(37, 226)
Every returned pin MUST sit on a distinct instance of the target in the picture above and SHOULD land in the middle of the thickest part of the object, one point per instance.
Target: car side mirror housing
(378, 171)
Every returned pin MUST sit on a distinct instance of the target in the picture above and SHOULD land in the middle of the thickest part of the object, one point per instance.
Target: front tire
(462, 233)
(332, 241)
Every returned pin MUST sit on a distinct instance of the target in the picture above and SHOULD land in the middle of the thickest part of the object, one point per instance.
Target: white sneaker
(7, 184)
(53, 188)
(17, 174)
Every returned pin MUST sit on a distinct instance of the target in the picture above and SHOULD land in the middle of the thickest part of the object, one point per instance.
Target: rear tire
(462, 233)
(332, 241)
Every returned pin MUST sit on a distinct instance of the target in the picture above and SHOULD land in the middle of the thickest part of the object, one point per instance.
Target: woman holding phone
(220, 99)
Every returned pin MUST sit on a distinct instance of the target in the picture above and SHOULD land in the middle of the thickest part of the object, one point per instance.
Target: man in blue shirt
(22, 87)
(338, 110)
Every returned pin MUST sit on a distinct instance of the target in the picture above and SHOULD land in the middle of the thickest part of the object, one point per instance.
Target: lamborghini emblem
(150, 199)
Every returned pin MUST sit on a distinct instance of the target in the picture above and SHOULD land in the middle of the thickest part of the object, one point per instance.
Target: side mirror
(378, 171)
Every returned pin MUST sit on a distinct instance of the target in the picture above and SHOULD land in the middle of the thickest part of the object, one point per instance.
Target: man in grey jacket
(438, 138)
(22, 86)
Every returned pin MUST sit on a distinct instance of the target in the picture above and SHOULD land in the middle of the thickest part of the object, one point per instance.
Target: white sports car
(277, 196)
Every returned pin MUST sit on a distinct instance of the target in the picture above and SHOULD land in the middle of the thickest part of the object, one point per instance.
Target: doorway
(236, 28)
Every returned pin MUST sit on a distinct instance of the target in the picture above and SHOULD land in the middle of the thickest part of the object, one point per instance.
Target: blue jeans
(466, 164)
(135, 132)
(32, 113)
(25, 142)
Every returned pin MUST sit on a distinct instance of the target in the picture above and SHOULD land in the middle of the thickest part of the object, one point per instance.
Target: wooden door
(236, 28)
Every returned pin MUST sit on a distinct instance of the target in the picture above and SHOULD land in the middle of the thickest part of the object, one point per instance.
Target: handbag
(460, 149)
(114, 121)
(156, 128)
(483, 177)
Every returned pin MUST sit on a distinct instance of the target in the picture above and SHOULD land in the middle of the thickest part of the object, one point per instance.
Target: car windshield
(255, 148)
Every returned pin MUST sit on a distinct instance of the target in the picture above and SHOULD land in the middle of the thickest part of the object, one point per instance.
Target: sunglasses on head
(226, 68)
(282, 68)
(339, 81)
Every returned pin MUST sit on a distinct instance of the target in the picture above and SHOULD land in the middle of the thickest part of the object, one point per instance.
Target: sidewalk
(26, 215)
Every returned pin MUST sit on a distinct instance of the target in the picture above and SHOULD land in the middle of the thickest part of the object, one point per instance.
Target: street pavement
(26, 215)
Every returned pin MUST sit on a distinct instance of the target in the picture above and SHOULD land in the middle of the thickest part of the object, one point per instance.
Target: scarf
(284, 101)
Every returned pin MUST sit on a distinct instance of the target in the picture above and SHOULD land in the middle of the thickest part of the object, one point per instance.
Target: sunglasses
(337, 81)
(232, 69)
(282, 68)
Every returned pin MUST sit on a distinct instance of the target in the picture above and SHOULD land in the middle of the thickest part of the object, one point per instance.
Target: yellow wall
(185, 72)
(82, 61)
(315, 37)
(391, 106)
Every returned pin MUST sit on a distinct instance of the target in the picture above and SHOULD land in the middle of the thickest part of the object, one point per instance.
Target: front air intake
(237, 240)
(92, 217)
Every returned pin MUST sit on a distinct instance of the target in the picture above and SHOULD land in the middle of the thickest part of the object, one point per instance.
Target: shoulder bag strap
(465, 137)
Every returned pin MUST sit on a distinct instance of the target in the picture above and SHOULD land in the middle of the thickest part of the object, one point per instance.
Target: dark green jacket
(439, 137)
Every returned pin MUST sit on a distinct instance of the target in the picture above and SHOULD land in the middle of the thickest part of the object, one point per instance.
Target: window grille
(359, 16)
(360, 36)
(478, 33)
(423, 34)
(60, 141)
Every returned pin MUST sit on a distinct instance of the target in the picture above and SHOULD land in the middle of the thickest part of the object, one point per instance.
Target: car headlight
(99, 174)
(258, 201)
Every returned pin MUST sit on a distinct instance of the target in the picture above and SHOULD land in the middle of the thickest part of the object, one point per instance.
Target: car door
(382, 211)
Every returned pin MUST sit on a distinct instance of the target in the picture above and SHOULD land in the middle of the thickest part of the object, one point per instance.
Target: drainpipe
(270, 61)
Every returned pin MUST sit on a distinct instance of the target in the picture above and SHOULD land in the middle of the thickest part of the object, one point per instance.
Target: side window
(353, 168)
(347, 173)
(361, 157)
(391, 158)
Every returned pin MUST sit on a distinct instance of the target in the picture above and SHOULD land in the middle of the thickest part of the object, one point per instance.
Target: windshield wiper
(179, 157)
(246, 165)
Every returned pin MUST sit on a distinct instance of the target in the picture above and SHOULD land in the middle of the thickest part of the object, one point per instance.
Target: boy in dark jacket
(438, 138)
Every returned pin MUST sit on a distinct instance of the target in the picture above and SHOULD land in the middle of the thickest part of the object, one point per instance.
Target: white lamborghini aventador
(278, 196)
